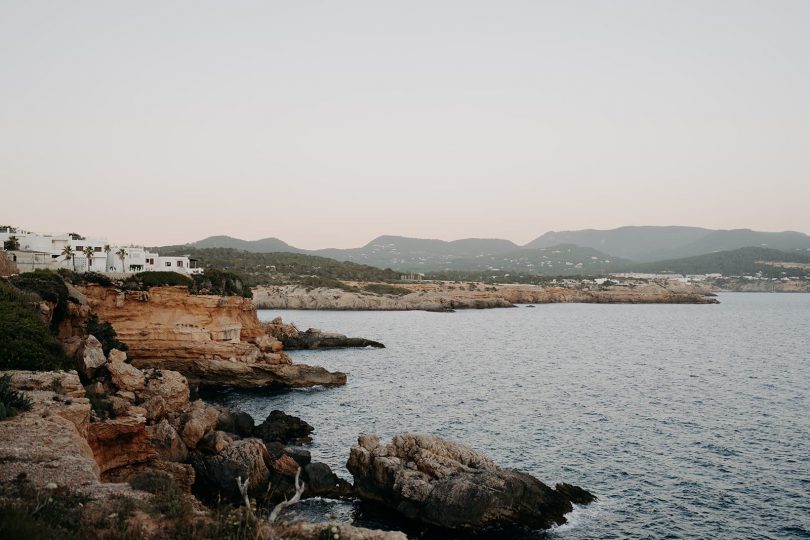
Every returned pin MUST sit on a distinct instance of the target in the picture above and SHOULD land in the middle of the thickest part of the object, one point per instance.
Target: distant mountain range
(587, 251)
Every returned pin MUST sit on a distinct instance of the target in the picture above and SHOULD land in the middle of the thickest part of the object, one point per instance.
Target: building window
(168, 263)
(79, 248)
(97, 249)
(180, 264)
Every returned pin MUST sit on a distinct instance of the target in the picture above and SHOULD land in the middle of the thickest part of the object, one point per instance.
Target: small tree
(12, 244)
(105, 333)
(67, 251)
(122, 253)
(88, 252)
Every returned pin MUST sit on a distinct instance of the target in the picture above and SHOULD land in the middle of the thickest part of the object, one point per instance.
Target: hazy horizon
(327, 125)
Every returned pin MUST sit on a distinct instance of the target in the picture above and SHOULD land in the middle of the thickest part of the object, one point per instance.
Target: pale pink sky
(326, 124)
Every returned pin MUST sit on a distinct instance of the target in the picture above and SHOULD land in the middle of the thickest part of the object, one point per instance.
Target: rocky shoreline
(118, 443)
(446, 296)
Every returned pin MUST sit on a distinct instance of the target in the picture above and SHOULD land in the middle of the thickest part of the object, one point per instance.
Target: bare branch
(299, 489)
(243, 490)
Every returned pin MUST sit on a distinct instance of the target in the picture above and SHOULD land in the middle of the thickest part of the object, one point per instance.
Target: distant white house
(81, 254)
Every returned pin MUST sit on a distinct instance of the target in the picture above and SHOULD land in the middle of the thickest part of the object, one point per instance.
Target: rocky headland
(447, 296)
(211, 340)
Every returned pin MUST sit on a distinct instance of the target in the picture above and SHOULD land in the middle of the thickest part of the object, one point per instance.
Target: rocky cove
(123, 433)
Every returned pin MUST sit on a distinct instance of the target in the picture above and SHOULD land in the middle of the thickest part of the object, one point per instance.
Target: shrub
(221, 283)
(11, 401)
(105, 333)
(29, 513)
(25, 341)
(50, 287)
(168, 497)
(101, 405)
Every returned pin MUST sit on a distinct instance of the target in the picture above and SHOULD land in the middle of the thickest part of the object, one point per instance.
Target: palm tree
(12, 244)
(122, 253)
(107, 250)
(67, 251)
(88, 252)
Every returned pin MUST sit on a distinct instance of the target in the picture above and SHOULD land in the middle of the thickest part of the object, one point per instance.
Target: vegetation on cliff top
(25, 340)
(211, 281)
(281, 268)
(11, 401)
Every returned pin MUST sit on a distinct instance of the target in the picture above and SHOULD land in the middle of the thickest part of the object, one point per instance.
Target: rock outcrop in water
(445, 484)
(313, 338)
(212, 340)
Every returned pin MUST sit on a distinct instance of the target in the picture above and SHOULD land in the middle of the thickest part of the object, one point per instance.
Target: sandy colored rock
(196, 423)
(125, 376)
(211, 340)
(120, 441)
(117, 356)
(214, 442)
(90, 357)
(166, 441)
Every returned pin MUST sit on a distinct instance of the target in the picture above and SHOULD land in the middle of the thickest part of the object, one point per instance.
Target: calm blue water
(686, 421)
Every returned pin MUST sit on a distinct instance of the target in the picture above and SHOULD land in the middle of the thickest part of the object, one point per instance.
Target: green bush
(105, 333)
(144, 280)
(84, 278)
(11, 401)
(30, 513)
(25, 341)
(222, 283)
(50, 287)
(168, 497)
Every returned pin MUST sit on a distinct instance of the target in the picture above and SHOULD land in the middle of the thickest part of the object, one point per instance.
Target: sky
(327, 124)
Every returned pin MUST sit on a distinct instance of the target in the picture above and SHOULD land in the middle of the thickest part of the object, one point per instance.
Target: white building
(81, 254)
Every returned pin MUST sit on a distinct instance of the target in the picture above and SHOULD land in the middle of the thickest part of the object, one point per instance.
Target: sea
(687, 421)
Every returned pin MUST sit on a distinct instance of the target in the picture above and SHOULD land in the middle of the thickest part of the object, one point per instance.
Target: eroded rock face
(124, 376)
(197, 422)
(446, 484)
(119, 442)
(89, 356)
(166, 442)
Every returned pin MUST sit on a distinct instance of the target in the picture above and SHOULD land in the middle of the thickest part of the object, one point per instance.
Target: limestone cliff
(209, 339)
(443, 296)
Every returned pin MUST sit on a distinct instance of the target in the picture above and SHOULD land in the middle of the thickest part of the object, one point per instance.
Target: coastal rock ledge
(446, 484)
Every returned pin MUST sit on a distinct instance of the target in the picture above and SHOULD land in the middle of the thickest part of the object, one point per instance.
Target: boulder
(197, 422)
(301, 456)
(217, 474)
(238, 422)
(90, 357)
(446, 484)
(214, 442)
(285, 466)
(119, 442)
(283, 428)
(124, 376)
(165, 440)
(322, 482)
(169, 385)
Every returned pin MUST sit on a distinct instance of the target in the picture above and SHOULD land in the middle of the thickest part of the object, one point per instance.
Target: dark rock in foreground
(283, 428)
(446, 484)
(315, 339)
